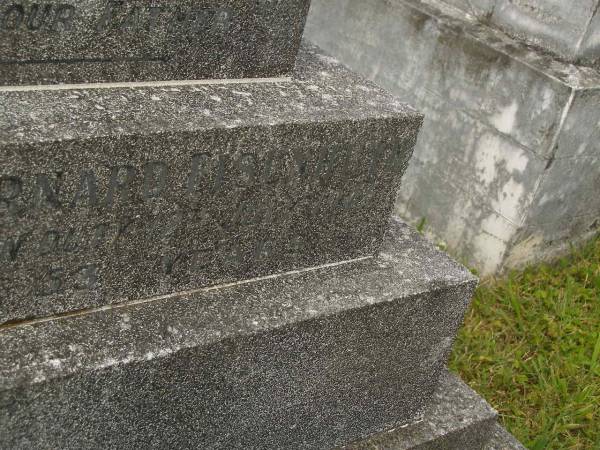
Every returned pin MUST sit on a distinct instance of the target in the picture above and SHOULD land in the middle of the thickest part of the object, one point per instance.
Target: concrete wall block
(485, 165)
(472, 231)
(569, 28)
(505, 131)
(580, 135)
(554, 24)
(543, 242)
(569, 188)
(434, 59)
(589, 51)
(481, 9)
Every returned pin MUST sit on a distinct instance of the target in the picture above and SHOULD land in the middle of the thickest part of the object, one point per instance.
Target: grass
(531, 347)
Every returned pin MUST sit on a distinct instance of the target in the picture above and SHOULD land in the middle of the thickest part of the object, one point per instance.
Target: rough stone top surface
(60, 41)
(321, 89)
(578, 77)
(407, 266)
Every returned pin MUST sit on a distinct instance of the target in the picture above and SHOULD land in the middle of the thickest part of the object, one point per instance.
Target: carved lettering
(210, 217)
(10, 190)
(63, 19)
(121, 183)
(246, 163)
(169, 262)
(56, 280)
(13, 17)
(46, 191)
(11, 247)
(86, 277)
(52, 282)
(155, 179)
(87, 193)
(45, 16)
(38, 16)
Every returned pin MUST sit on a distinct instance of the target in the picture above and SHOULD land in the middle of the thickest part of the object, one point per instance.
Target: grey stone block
(122, 193)
(456, 419)
(481, 9)
(106, 40)
(553, 24)
(499, 118)
(314, 359)
(568, 28)
(503, 440)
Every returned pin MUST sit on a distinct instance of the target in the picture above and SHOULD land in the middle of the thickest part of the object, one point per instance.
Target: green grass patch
(531, 347)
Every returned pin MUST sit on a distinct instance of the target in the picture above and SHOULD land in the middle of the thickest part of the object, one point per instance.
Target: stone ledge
(320, 358)
(457, 419)
(576, 76)
(321, 90)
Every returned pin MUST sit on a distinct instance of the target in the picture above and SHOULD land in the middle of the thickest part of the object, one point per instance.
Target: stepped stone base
(112, 193)
(505, 170)
(311, 359)
(457, 419)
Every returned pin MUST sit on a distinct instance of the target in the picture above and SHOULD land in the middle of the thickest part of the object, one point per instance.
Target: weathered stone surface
(503, 440)
(65, 41)
(114, 194)
(488, 173)
(568, 28)
(309, 360)
(456, 419)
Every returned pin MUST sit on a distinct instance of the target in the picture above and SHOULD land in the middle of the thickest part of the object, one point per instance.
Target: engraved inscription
(97, 229)
(113, 31)
(38, 17)
(115, 16)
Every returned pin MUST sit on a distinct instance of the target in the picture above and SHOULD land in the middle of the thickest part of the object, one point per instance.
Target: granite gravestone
(59, 41)
(128, 193)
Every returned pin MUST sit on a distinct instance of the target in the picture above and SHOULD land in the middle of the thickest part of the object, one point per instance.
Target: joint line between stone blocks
(88, 311)
(141, 84)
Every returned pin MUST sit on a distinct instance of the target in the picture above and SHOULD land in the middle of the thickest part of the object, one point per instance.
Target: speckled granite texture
(311, 360)
(104, 40)
(457, 419)
(109, 195)
(503, 440)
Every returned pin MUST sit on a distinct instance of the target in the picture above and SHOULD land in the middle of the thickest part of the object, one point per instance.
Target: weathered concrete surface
(569, 28)
(105, 40)
(306, 360)
(499, 119)
(113, 194)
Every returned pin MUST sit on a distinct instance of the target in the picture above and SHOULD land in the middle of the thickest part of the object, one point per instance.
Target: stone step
(313, 359)
(505, 171)
(106, 40)
(503, 440)
(115, 194)
(457, 419)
